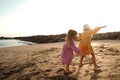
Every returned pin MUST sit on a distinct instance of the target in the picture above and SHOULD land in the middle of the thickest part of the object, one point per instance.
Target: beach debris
(111, 49)
(102, 46)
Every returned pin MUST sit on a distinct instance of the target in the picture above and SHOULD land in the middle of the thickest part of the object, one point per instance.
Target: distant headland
(61, 37)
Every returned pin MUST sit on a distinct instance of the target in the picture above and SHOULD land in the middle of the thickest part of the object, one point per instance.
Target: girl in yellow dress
(85, 43)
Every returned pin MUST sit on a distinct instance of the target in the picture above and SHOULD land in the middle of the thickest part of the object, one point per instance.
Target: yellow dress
(85, 43)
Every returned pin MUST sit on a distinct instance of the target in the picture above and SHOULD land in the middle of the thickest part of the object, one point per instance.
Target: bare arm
(96, 29)
(78, 37)
(103, 26)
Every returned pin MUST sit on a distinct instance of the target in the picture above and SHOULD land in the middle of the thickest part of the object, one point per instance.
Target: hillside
(61, 37)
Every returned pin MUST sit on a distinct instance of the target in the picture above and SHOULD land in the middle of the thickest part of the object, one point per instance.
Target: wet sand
(42, 62)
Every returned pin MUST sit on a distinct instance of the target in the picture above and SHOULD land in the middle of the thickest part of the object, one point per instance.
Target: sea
(13, 42)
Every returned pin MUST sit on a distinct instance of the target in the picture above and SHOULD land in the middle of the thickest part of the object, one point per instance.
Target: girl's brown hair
(71, 34)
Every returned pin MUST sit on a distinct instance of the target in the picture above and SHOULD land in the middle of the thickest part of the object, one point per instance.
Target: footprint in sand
(48, 70)
(60, 70)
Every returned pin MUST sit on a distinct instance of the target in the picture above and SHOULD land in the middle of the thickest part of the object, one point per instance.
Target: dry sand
(42, 62)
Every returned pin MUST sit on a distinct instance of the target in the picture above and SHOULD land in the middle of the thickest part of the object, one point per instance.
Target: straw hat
(86, 27)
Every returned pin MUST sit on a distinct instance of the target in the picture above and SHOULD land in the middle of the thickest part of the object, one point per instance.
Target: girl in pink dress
(68, 48)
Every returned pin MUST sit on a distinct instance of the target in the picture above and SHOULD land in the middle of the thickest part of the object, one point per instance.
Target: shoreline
(4, 43)
(24, 43)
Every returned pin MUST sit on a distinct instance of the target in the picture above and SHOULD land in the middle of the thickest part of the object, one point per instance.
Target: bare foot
(68, 72)
(97, 67)
(80, 65)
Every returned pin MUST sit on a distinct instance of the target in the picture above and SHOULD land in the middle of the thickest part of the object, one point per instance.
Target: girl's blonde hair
(71, 34)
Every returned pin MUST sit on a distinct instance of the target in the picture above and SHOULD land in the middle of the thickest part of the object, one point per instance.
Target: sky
(49, 17)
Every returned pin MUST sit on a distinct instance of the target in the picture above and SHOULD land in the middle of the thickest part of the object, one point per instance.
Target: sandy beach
(42, 62)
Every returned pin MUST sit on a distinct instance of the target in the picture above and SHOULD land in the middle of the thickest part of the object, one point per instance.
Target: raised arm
(103, 26)
(96, 29)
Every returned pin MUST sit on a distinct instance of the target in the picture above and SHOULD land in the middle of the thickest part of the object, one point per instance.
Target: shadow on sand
(95, 74)
(63, 76)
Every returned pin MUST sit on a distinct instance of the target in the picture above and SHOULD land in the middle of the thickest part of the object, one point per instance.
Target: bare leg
(81, 60)
(67, 67)
(94, 60)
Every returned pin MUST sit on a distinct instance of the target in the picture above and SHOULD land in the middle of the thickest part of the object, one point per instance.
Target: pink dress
(67, 52)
